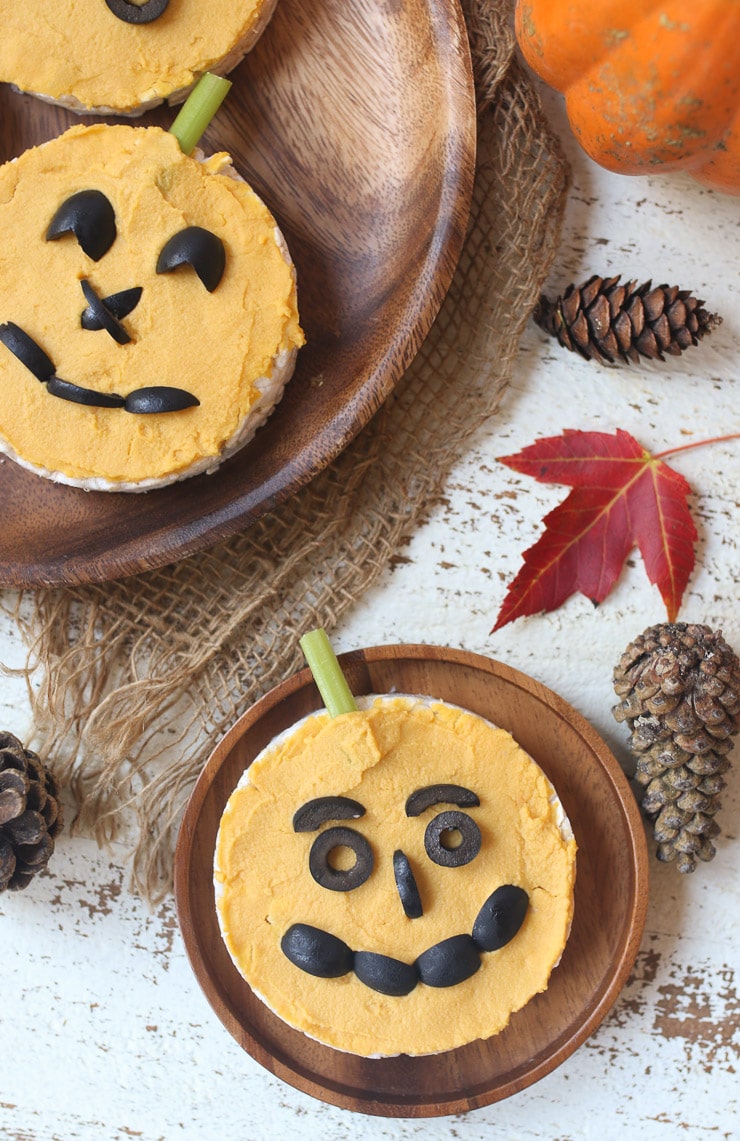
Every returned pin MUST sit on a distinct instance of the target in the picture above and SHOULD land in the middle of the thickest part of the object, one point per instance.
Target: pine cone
(679, 685)
(603, 320)
(30, 814)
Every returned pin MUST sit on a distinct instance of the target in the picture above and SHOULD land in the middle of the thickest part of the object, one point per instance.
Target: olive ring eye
(335, 878)
(438, 839)
(142, 13)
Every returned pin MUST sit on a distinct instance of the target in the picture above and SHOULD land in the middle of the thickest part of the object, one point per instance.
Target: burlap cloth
(132, 683)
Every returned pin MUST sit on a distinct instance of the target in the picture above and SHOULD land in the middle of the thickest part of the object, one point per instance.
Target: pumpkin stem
(198, 109)
(327, 673)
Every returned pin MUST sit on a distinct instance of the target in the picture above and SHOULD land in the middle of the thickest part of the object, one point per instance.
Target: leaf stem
(696, 444)
(327, 673)
(198, 109)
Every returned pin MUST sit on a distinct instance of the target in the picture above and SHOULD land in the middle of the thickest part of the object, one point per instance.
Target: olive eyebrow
(314, 813)
(423, 798)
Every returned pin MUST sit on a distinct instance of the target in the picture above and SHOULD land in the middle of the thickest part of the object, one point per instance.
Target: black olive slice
(440, 794)
(314, 813)
(102, 316)
(159, 398)
(500, 917)
(449, 962)
(137, 13)
(316, 952)
(78, 395)
(28, 352)
(446, 855)
(118, 304)
(196, 247)
(385, 974)
(407, 886)
(340, 879)
(90, 217)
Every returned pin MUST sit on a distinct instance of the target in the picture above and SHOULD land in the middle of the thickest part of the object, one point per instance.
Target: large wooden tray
(356, 123)
(610, 898)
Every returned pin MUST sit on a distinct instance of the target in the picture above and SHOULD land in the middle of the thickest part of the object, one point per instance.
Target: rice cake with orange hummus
(148, 321)
(395, 880)
(123, 56)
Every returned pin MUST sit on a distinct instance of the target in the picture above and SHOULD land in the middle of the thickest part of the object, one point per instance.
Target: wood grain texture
(610, 899)
(356, 124)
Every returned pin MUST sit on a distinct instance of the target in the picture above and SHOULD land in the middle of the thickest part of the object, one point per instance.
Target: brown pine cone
(679, 685)
(604, 320)
(30, 814)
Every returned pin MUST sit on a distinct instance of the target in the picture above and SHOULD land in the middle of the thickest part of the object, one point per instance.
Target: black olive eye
(452, 839)
(132, 13)
(196, 247)
(325, 863)
(90, 217)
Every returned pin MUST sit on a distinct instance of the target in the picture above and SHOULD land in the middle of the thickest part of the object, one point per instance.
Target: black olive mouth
(444, 964)
(155, 398)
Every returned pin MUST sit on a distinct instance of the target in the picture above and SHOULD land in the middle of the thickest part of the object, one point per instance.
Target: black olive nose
(407, 886)
(107, 312)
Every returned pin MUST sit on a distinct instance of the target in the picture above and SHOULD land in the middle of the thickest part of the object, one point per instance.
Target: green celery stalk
(327, 673)
(198, 109)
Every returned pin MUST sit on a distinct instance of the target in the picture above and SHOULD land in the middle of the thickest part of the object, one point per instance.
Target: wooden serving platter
(356, 124)
(610, 896)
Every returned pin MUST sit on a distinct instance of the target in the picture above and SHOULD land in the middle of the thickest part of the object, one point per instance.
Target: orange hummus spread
(397, 879)
(88, 58)
(230, 346)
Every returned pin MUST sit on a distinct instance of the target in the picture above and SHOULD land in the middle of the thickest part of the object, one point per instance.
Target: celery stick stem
(198, 109)
(327, 673)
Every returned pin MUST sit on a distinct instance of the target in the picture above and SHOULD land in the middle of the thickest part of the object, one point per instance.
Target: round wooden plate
(610, 899)
(356, 124)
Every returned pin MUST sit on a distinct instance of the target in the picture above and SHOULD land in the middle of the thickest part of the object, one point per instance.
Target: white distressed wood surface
(105, 1034)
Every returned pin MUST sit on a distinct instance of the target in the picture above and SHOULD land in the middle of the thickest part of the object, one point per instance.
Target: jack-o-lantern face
(396, 880)
(124, 56)
(89, 216)
(147, 300)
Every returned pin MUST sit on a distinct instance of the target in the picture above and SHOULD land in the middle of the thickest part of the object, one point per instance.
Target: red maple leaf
(622, 497)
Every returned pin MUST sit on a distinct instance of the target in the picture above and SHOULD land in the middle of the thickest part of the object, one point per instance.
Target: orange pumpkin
(648, 85)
